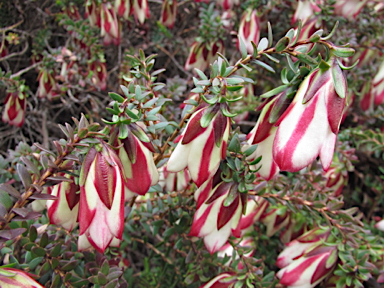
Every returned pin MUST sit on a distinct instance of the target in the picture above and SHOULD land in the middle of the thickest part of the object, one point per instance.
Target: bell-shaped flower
(140, 10)
(168, 13)
(92, 12)
(296, 227)
(109, 24)
(247, 244)
(228, 4)
(337, 178)
(305, 9)
(64, 210)
(309, 269)
(198, 57)
(83, 243)
(137, 159)
(213, 220)
(203, 144)
(47, 85)
(380, 225)
(253, 212)
(221, 281)
(174, 181)
(101, 213)
(14, 278)
(275, 219)
(249, 29)
(378, 86)
(263, 134)
(14, 108)
(309, 126)
(123, 8)
(349, 8)
(302, 245)
(99, 74)
(367, 100)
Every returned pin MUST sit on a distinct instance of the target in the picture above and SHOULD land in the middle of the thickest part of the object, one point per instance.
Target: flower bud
(64, 210)
(201, 148)
(349, 8)
(378, 86)
(13, 278)
(101, 213)
(305, 10)
(309, 126)
(15, 105)
(140, 10)
(168, 13)
(212, 220)
(249, 29)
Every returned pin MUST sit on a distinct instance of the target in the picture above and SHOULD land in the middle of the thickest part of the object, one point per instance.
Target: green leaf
(250, 150)
(339, 81)
(201, 74)
(243, 48)
(263, 44)
(234, 81)
(274, 92)
(270, 34)
(343, 51)
(207, 117)
(116, 97)
(264, 65)
(306, 59)
(282, 44)
(34, 262)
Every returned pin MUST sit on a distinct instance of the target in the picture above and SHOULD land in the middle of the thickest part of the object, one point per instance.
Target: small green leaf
(282, 44)
(250, 150)
(305, 58)
(263, 44)
(270, 34)
(264, 65)
(116, 97)
(274, 92)
(243, 48)
(343, 51)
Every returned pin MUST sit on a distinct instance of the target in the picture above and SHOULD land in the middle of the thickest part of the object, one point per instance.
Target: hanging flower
(202, 148)
(101, 213)
(14, 278)
(309, 126)
(174, 181)
(213, 220)
(305, 10)
(378, 86)
(168, 13)
(14, 108)
(249, 29)
(140, 10)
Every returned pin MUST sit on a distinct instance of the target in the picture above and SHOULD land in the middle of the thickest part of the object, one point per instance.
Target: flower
(15, 105)
(275, 219)
(99, 74)
(310, 268)
(137, 160)
(168, 13)
(92, 12)
(198, 57)
(213, 220)
(174, 181)
(380, 225)
(140, 10)
(305, 10)
(64, 210)
(101, 213)
(13, 278)
(263, 134)
(247, 243)
(309, 126)
(201, 148)
(47, 85)
(253, 212)
(349, 8)
(249, 29)
(123, 8)
(228, 4)
(378, 86)
(110, 25)
(302, 245)
(220, 281)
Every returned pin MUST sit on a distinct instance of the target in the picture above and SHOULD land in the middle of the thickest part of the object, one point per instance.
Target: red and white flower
(140, 10)
(212, 220)
(47, 85)
(228, 4)
(168, 13)
(64, 210)
(14, 108)
(378, 86)
(249, 29)
(201, 148)
(101, 213)
(174, 181)
(305, 9)
(110, 25)
(275, 220)
(309, 126)
(220, 281)
(99, 74)
(137, 160)
(253, 212)
(123, 8)
(14, 278)
(349, 8)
